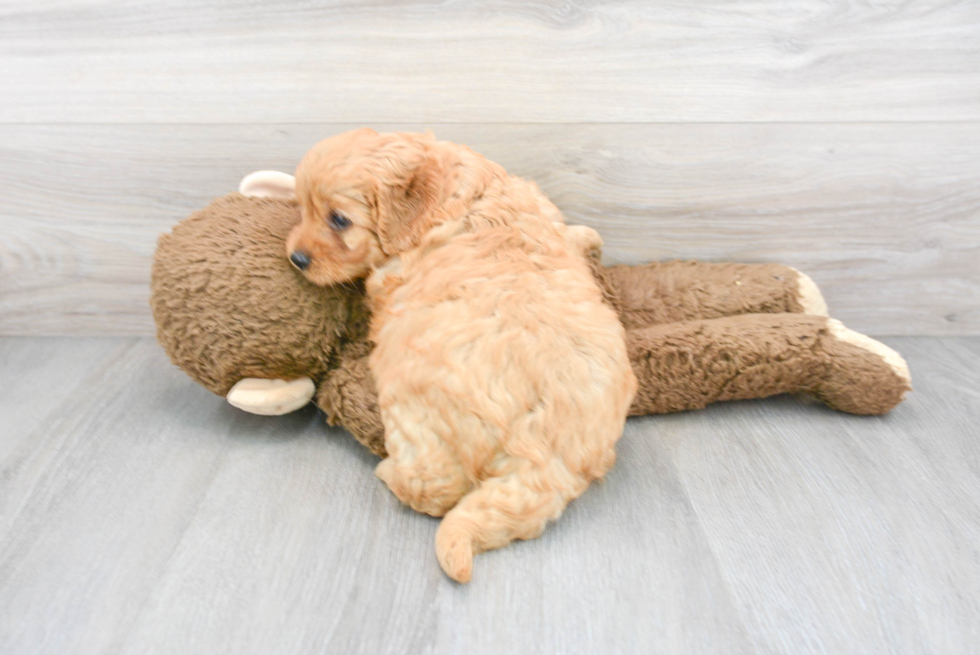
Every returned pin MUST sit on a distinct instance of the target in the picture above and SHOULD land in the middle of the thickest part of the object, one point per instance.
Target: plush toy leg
(688, 365)
(653, 294)
(347, 396)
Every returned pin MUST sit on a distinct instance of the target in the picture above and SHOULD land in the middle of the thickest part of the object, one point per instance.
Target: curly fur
(503, 378)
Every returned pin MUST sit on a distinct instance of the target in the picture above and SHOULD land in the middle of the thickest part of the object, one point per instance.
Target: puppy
(503, 379)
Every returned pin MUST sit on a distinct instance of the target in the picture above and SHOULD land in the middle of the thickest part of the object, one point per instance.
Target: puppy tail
(502, 509)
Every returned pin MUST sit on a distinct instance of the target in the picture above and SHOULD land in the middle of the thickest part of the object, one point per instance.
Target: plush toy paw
(808, 293)
(865, 376)
(271, 397)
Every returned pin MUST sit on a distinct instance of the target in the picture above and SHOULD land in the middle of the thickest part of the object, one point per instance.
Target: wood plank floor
(140, 514)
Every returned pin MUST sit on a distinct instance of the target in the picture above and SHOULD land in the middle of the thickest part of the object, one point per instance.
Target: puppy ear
(408, 210)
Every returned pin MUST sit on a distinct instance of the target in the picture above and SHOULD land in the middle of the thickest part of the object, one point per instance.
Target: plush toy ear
(268, 184)
(406, 211)
(271, 397)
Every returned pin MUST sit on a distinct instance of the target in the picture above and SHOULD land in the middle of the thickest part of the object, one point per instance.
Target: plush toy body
(233, 313)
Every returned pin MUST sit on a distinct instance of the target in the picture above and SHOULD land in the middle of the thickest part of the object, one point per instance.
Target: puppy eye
(338, 222)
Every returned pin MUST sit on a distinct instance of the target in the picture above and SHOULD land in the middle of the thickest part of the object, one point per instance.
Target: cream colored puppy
(503, 380)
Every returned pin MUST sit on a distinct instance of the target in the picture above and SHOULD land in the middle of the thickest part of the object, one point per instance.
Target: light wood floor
(140, 514)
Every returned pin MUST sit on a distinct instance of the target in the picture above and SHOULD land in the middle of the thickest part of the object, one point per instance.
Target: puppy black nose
(300, 259)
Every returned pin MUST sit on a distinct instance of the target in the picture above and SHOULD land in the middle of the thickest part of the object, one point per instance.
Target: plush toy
(233, 313)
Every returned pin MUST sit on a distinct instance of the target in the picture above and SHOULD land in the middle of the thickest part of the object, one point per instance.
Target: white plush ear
(268, 184)
(271, 397)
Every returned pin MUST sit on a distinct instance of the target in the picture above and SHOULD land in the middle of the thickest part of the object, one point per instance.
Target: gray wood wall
(841, 137)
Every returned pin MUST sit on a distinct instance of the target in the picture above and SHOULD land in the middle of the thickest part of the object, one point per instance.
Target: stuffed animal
(240, 320)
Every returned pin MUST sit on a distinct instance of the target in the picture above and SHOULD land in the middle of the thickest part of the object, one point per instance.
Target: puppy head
(366, 197)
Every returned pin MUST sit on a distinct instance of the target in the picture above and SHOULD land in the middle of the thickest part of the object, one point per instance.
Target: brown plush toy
(233, 313)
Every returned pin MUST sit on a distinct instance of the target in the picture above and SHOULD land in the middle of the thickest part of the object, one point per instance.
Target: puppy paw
(271, 397)
(424, 490)
(581, 237)
(809, 296)
(454, 549)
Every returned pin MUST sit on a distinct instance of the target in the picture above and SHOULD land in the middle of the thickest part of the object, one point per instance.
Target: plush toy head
(228, 304)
